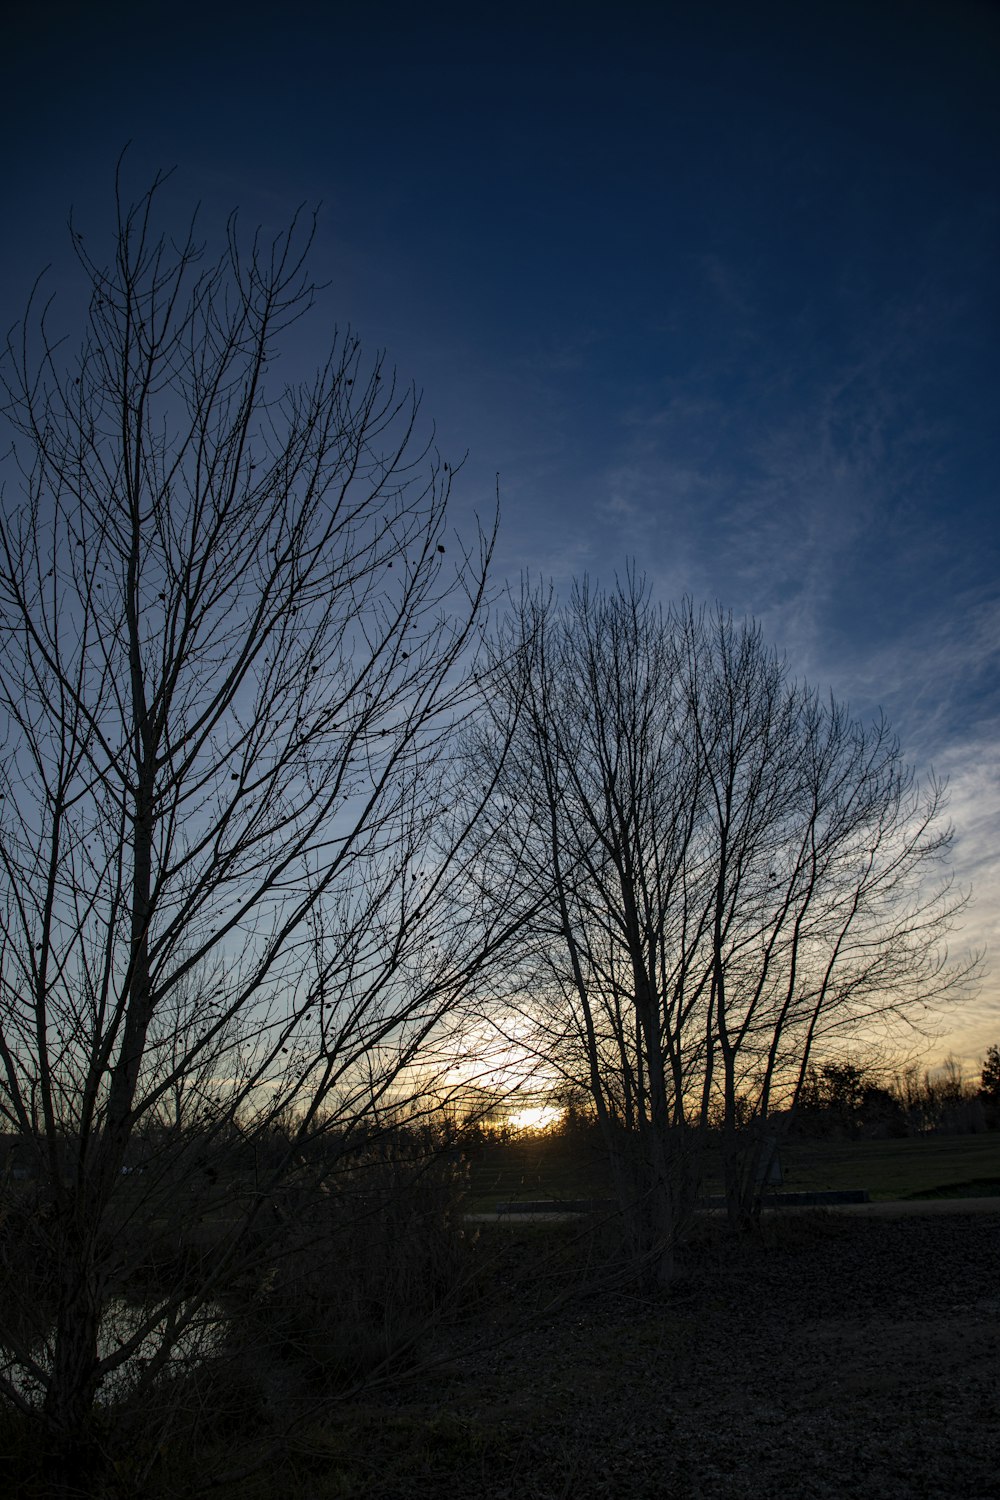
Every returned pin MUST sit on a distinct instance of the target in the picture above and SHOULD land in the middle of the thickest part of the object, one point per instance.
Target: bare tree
(234, 654)
(829, 908)
(598, 805)
(737, 872)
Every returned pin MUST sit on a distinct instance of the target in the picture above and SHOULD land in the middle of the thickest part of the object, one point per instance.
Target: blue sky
(710, 286)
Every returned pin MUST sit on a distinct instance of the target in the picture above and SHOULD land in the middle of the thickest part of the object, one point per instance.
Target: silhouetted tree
(734, 872)
(989, 1082)
(234, 652)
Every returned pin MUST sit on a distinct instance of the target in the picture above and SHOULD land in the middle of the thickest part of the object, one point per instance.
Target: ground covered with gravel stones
(836, 1356)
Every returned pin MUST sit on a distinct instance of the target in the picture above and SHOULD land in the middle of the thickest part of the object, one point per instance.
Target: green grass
(561, 1167)
(537, 1166)
(893, 1168)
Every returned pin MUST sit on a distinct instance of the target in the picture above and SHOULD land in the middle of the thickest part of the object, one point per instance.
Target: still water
(122, 1319)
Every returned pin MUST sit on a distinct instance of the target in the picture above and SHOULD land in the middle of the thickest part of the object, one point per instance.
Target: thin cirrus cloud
(829, 508)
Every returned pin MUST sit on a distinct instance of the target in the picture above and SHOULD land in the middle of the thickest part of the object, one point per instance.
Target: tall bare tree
(235, 647)
(598, 805)
(736, 870)
(829, 902)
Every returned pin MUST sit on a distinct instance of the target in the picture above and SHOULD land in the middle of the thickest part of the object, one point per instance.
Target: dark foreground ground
(838, 1354)
(843, 1356)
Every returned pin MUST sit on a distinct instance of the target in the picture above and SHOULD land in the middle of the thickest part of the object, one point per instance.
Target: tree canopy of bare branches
(236, 644)
(738, 874)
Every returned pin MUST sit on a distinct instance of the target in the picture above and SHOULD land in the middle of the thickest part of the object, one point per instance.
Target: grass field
(572, 1167)
(894, 1168)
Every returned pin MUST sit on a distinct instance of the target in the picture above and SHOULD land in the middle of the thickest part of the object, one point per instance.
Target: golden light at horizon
(535, 1117)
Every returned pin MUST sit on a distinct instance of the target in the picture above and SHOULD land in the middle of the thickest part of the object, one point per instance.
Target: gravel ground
(845, 1356)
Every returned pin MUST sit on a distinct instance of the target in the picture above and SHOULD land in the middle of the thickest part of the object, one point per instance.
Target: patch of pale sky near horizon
(914, 680)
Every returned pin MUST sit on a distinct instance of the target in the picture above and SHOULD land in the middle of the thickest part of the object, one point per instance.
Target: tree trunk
(646, 1200)
(73, 1455)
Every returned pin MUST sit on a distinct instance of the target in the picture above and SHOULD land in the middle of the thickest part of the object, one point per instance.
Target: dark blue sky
(713, 286)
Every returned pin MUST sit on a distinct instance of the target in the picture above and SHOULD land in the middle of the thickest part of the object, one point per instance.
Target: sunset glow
(535, 1117)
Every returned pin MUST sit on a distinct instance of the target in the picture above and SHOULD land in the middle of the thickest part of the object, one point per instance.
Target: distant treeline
(854, 1100)
(210, 1150)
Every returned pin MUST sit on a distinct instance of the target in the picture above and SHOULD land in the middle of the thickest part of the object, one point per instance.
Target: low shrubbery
(364, 1260)
(349, 1270)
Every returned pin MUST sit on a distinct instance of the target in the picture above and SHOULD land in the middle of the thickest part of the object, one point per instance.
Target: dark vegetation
(866, 1101)
(391, 1346)
(357, 1258)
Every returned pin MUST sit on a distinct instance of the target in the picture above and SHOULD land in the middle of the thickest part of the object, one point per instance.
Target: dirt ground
(844, 1355)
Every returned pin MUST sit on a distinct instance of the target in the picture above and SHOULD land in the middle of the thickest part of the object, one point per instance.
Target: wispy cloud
(822, 499)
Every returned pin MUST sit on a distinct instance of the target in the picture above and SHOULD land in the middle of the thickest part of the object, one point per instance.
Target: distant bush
(851, 1101)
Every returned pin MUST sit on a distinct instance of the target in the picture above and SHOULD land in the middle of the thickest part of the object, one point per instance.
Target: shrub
(366, 1260)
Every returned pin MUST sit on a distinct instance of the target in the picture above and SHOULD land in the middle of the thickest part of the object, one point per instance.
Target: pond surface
(122, 1318)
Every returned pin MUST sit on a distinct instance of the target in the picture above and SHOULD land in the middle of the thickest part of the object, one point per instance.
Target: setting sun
(535, 1117)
